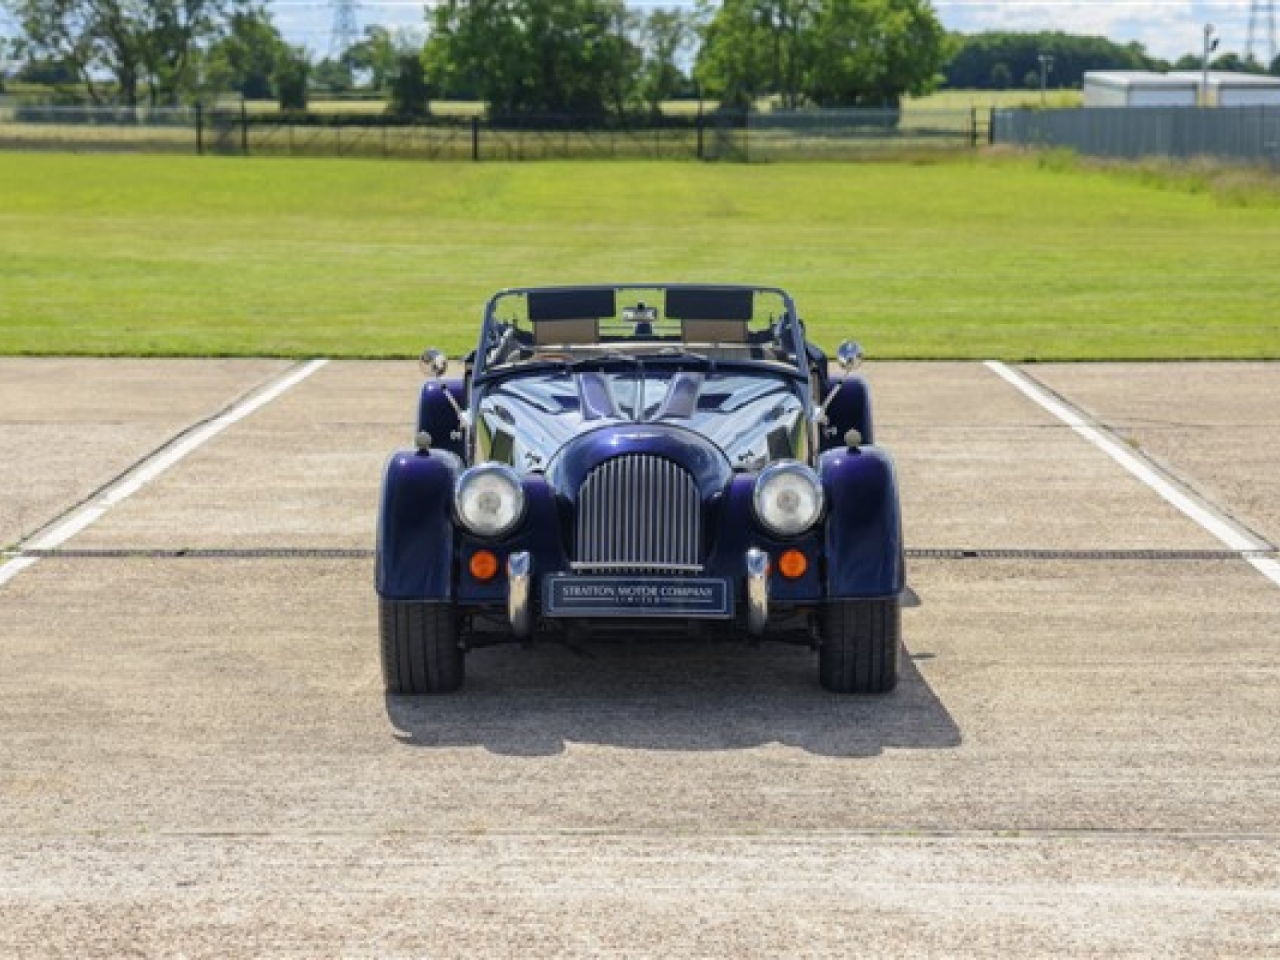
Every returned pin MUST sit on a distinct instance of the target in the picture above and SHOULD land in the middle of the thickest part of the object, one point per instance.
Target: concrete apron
(69, 425)
(1215, 425)
(1082, 756)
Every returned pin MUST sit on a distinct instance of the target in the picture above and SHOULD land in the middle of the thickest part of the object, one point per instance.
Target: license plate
(573, 596)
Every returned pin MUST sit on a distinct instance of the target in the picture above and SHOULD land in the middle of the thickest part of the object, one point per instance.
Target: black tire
(860, 641)
(420, 650)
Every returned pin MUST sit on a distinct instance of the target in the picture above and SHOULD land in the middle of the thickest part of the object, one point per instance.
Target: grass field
(1000, 99)
(996, 257)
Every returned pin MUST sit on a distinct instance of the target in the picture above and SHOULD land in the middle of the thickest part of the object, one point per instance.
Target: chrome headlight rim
(785, 469)
(466, 511)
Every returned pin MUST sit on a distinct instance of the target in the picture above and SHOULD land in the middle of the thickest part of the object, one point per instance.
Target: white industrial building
(1237, 89)
(1139, 88)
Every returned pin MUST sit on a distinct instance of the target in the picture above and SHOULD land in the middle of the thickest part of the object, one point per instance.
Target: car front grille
(639, 514)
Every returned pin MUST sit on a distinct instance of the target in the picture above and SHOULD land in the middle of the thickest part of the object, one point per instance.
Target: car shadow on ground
(669, 696)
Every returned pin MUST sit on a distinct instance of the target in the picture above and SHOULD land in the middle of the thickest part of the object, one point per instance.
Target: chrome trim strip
(757, 591)
(518, 611)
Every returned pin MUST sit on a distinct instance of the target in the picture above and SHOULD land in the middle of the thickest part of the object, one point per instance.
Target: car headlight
(489, 499)
(788, 498)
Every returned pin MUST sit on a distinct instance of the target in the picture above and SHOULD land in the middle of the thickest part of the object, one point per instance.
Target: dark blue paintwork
(569, 468)
(863, 526)
(437, 417)
(541, 532)
(415, 526)
(544, 532)
(851, 408)
(737, 531)
(856, 550)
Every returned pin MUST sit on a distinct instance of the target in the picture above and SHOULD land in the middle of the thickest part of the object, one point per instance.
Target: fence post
(244, 129)
(973, 127)
(699, 126)
(991, 127)
(475, 139)
(199, 130)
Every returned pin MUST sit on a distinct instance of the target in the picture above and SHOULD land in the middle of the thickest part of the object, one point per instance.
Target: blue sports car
(641, 459)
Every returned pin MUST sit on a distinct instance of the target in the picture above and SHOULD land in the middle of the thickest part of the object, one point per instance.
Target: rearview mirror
(433, 363)
(849, 355)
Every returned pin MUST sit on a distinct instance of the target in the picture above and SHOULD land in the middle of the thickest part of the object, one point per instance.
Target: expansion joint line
(52, 537)
(1141, 555)
(1256, 551)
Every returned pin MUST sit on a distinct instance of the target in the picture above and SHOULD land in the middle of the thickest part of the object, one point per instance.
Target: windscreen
(734, 322)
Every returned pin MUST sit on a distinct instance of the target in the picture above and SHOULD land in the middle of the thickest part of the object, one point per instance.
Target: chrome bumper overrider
(518, 594)
(757, 591)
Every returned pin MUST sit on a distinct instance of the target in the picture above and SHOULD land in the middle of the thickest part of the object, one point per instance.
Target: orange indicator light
(792, 564)
(484, 565)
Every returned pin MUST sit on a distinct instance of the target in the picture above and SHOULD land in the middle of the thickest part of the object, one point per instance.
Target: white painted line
(150, 468)
(1206, 516)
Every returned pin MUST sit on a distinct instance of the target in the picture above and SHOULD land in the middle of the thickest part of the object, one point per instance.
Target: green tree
(753, 48)
(49, 73)
(870, 53)
(139, 44)
(246, 58)
(333, 76)
(975, 57)
(1234, 63)
(667, 36)
(290, 77)
(377, 56)
(534, 56)
(824, 52)
(1001, 77)
(410, 92)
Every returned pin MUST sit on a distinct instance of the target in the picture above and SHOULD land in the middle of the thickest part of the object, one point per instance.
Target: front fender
(850, 409)
(864, 524)
(436, 414)
(415, 527)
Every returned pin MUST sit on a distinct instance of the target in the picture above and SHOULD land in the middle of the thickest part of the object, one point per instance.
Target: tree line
(999, 60)
(581, 57)
(586, 58)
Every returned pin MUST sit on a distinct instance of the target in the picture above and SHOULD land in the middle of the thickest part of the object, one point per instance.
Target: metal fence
(858, 134)
(1232, 133)
(718, 135)
(98, 129)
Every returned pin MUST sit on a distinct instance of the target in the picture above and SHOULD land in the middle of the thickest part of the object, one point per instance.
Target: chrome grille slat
(641, 514)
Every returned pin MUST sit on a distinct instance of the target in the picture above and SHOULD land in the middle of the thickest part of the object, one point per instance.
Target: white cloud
(1167, 28)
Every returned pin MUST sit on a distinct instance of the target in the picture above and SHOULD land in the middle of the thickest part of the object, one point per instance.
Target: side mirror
(433, 363)
(849, 356)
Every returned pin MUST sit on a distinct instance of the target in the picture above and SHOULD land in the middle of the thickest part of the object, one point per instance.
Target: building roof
(1224, 78)
(1139, 78)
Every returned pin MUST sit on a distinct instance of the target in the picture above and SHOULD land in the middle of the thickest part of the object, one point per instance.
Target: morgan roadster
(648, 460)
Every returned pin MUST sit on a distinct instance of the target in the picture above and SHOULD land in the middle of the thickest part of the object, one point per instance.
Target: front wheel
(420, 649)
(860, 640)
